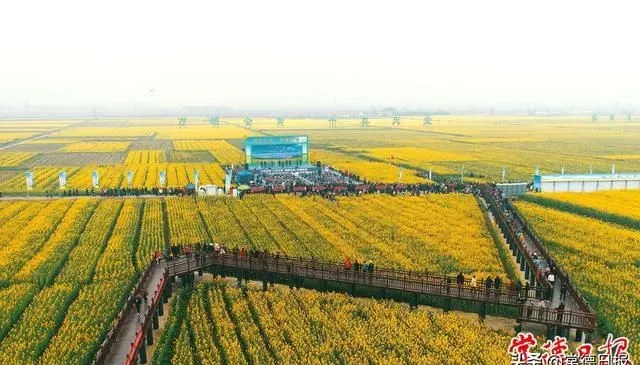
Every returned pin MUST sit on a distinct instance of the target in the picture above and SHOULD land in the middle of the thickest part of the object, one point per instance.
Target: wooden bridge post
(447, 305)
(143, 352)
(482, 310)
(166, 292)
(149, 336)
(564, 332)
(551, 332)
(156, 323)
(414, 301)
(325, 285)
(160, 309)
(353, 288)
(265, 284)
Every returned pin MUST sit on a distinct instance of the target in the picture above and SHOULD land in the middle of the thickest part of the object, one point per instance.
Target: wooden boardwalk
(413, 282)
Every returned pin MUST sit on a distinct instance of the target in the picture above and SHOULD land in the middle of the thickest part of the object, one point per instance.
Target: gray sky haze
(255, 54)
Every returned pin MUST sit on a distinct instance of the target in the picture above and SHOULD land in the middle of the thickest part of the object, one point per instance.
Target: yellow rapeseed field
(12, 136)
(44, 179)
(145, 157)
(379, 172)
(97, 132)
(221, 324)
(223, 151)
(415, 155)
(8, 159)
(621, 202)
(202, 132)
(96, 147)
(601, 258)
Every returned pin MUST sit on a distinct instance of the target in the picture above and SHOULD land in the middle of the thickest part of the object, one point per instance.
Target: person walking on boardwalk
(370, 266)
(356, 266)
(518, 288)
(560, 312)
(563, 290)
(497, 283)
(552, 279)
(347, 264)
(474, 282)
(488, 285)
(138, 303)
(460, 279)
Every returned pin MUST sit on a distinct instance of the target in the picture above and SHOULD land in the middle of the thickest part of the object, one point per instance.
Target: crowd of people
(288, 179)
(116, 192)
(358, 266)
(544, 269)
(489, 286)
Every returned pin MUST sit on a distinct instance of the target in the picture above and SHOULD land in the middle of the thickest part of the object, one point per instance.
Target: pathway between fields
(30, 139)
(132, 321)
(43, 197)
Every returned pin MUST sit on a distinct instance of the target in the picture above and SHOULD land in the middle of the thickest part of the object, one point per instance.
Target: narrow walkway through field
(532, 249)
(132, 321)
(30, 139)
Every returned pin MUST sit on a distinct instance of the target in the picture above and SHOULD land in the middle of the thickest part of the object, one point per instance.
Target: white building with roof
(585, 183)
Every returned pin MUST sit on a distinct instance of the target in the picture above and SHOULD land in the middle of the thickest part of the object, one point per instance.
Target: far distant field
(481, 146)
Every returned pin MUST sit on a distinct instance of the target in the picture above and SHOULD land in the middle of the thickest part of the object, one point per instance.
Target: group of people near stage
(358, 266)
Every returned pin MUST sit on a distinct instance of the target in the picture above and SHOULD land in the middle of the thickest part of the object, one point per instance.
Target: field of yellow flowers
(483, 145)
(44, 179)
(96, 147)
(371, 171)
(14, 158)
(221, 324)
(438, 233)
(621, 207)
(603, 260)
(145, 157)
(68, 264)
(223, 151)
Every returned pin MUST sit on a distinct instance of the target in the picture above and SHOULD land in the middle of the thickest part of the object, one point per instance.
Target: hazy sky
(291, 53)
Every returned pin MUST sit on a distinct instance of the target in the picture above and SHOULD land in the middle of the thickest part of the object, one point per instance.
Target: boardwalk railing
(117, 323)
(563, 318)
(512, 238)
(572, 290)
(409, 281)
(143, 330)
(406, 281)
